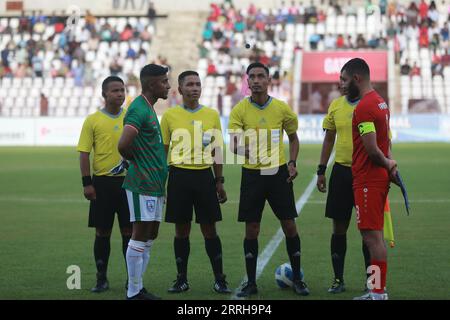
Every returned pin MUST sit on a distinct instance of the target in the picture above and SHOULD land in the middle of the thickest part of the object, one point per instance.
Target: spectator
(415, 71)
(211, 71)
(436, 65)
(411, 14)
(433, 14)
(43, 105)
(423, 35)
(360, 42)
(423, 11)
(340, 42)
(38, 66)
(151, 14)
(314, 41)
(445, 35)
(316, 102)
(405, 68)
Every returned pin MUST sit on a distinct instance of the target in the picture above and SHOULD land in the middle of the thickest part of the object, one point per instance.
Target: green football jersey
(148, 170)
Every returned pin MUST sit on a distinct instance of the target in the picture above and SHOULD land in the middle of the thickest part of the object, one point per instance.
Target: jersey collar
(114, 116)
(352, 103)
(257, 105)
(199, 107)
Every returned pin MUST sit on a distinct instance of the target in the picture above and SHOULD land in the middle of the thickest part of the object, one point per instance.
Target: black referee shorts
(192, 189)
(111, 198)
(340, 201)
(257, 188)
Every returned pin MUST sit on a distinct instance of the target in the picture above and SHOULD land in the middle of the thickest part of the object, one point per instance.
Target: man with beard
(372, 168)
(340, 202)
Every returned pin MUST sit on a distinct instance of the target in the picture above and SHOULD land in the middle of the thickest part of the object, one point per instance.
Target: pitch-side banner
(66, 131)
(326, 66)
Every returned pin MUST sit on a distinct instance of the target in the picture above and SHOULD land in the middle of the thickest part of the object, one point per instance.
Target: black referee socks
(294, 253)
(338, 251)
(182, 249)
(251, 258)
(102, 249)
(214, 251)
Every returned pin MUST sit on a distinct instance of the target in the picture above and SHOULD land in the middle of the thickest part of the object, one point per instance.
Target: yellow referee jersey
(339, 119)
(263, 128)
(101, 131)
(191, 135)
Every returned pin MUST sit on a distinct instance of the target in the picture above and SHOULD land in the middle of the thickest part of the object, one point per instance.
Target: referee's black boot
(247, 290)
(221, 286)
(337, 286)
(144, 295)
(300, 288)
(101, 286)
(179, 285)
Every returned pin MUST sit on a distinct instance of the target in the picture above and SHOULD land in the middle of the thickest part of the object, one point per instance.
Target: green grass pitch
(43, 230)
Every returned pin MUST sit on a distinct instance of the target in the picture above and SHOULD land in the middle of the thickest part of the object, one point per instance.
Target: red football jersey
(371, 108)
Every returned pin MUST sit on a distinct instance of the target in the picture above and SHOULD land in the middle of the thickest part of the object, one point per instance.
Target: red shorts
(369, 204)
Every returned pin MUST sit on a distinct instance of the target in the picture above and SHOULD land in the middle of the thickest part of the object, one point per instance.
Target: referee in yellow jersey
(340, 202)
(101, 132)
(193, 134)
(256, 125)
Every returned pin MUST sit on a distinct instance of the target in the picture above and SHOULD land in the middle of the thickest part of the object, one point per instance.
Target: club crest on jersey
(383, 106)
(151, 204)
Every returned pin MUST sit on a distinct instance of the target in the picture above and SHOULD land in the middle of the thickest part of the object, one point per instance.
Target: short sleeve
(235, 121)
(363, 113)
(133, 118)
(329, 122)
(218, 126)
(165, 129)
(290, 121)
(86, 141)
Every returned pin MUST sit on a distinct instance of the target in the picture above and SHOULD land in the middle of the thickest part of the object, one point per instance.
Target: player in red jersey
(372, 169)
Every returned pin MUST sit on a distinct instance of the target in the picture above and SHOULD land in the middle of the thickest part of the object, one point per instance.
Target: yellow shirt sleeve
(165, 130)
(86, 141)
(328, 122)
(218, 126)
(235, 121)
(290, 121)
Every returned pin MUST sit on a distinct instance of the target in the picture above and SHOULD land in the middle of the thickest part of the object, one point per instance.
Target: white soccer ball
(284, 275)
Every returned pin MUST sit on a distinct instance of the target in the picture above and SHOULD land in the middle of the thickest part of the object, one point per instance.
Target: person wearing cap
(141, 144)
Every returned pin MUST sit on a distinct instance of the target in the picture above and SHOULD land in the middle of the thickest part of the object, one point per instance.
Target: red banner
(326, 66)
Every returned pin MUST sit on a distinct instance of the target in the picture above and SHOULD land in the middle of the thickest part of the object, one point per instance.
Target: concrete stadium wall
(105, 7)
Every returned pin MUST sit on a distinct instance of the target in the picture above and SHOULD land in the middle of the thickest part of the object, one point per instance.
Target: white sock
(146, 259)
(135, 257)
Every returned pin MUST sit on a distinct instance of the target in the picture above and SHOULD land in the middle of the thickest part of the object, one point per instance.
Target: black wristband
(87, 181)
(292, 162)
(220, 179)
(321, 169)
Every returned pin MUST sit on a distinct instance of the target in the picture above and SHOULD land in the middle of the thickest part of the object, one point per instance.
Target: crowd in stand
(45, 46)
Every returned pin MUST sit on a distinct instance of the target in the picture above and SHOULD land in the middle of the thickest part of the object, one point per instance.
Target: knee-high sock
(125, 241)
(251, 258)
(294, 252)
(338, 250)
(182, 249)
(214, 251)
(102, 249)
(366, 254)
(383, 271)
(135, 259)
(145, 260)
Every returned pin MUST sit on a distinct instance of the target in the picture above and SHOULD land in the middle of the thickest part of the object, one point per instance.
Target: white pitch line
(272, 246)
(269, 250)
